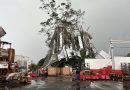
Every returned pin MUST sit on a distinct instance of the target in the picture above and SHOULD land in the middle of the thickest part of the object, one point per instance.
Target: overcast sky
(108, 19)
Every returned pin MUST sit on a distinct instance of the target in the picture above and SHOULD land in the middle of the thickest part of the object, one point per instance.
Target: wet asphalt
(66, 83)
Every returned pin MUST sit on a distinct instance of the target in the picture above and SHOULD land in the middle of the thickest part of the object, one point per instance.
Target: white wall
(97, 63)
(21, 60)
(119, 60)
(100, 63)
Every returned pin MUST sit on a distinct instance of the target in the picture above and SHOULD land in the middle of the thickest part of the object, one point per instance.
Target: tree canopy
(60, 15)
(64, 30)
(128, 55)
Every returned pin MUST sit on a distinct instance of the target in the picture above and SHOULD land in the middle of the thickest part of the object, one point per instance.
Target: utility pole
(112, 56)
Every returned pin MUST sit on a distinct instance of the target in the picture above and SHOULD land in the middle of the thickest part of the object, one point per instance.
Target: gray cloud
(21, 20)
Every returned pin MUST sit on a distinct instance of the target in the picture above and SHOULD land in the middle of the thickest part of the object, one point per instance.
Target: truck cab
(6, 59)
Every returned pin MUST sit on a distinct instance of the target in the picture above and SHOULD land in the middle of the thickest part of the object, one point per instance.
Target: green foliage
(59, 15)
(128, 55)
(75, 61)
(33, 67)
(41, 62)
(58, 63)
(63, 19)
(83, 54)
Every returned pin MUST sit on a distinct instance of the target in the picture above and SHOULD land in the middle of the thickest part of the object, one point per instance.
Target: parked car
(34, 74)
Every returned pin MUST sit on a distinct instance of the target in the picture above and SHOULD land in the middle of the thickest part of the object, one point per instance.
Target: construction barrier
(53, 71)
(67, 70)
(58, 71)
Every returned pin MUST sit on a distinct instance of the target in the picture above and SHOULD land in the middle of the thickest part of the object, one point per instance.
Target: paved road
(65, 83)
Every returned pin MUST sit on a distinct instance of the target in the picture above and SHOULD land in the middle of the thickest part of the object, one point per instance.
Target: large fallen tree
(67, 40)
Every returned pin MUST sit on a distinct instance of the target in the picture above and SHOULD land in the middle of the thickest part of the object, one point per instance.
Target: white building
(22, 61)
(100, 63)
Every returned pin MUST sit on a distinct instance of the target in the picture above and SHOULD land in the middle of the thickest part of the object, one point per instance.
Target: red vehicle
(34, 74)
(42, 72)
(105, 73)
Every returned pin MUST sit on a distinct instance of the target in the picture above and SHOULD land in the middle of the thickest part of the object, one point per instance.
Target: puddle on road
(56, 83)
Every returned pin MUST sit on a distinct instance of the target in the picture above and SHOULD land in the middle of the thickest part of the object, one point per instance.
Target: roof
(2, 32)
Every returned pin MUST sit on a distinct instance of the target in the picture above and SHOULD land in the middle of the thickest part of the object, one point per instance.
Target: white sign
(3, 66)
